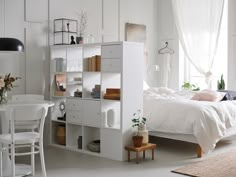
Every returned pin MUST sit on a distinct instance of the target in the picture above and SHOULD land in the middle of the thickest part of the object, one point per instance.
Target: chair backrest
(26, 113)
(27, 97)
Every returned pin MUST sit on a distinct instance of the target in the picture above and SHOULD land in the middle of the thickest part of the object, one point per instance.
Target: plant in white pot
(139, 122)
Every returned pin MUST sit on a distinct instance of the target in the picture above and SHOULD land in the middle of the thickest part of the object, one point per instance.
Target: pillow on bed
(229, 95)
(208, 95)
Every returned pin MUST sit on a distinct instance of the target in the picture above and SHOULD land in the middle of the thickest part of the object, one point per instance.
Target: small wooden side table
(140, 149)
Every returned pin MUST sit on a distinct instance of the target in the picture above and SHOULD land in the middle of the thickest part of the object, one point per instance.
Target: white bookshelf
(121, 67)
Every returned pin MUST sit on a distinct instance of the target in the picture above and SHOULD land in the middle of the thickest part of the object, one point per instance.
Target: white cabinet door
(111, 65)
(74, 117)
(92, 113)
(111, 144)
(74, 104)
(112, 51)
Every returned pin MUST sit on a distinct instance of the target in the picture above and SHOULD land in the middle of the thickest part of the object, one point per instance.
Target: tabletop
(3, 106)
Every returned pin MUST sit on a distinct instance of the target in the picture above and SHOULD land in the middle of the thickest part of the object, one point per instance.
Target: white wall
(167, 32)
(31, 30)
(232, 46)
(31, 21)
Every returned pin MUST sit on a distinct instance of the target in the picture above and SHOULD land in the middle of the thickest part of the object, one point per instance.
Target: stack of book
(112, 94)
(94, 63)
(96, 91)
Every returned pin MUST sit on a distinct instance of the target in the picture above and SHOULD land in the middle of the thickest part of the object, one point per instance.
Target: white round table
(21, 169)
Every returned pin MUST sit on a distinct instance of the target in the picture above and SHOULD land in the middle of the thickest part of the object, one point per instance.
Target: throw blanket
(172, 112)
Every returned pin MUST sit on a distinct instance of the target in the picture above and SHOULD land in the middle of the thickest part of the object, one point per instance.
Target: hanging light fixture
(10, 44)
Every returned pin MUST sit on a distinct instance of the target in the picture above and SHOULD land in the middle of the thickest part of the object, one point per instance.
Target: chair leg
(13, 159)
(32, 159)
(42, 159)
(1, 163)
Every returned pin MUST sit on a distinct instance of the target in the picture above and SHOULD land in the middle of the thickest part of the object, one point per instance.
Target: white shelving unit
(122, 68)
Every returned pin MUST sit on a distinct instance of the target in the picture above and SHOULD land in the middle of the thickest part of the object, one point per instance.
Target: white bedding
(174, 112)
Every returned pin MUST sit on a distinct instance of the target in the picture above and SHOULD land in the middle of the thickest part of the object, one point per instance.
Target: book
(98, 62)
(89, 64)
(93, 63)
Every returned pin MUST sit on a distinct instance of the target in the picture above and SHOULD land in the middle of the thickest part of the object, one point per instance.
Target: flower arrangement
(6, 84)
(82, 19)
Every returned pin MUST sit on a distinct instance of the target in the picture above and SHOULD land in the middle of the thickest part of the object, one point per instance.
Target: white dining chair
(27, 97)
(24, 112)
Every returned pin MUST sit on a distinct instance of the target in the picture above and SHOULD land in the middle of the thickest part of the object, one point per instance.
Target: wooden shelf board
(59, 121)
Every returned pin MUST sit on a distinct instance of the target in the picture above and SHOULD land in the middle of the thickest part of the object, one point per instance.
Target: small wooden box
(113, 91)
(59, 93)
(112, 96)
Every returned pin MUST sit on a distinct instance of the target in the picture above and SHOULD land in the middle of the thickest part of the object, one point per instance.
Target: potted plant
(188, 86)
(139, 122)
(221, 83)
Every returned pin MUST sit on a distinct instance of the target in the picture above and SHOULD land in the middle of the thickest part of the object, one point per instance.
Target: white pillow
(145, 85)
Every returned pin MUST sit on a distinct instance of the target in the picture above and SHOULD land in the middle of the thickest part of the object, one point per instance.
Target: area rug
(221, 165)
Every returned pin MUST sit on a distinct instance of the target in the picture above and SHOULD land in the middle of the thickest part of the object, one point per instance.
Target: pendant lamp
(11, 44)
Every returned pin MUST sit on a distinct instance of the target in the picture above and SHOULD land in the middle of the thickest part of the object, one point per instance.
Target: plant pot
(137, 140)
(79, 40)
(144, 134)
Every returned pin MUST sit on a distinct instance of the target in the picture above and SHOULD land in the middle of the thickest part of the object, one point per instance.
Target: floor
(169, 155)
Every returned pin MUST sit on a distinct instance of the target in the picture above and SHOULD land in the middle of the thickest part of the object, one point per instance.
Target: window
(190, 74)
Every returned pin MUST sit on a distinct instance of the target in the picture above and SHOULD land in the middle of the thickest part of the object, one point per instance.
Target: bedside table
(143, 148)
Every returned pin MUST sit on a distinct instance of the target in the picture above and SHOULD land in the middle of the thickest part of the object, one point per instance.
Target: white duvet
(174, 112)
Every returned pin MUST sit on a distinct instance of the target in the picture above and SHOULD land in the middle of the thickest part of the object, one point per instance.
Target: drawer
(92, 113)
(74, 104)
(112, 51)
(111, 65)
(74, 117)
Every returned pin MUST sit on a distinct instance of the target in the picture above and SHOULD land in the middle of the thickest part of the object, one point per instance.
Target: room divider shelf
(92, 70)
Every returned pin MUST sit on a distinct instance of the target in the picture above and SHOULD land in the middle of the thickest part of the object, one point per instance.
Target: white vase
(111, 118)
(144, 134)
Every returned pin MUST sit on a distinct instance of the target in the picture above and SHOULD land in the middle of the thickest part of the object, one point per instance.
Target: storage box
(113, 91)
(60, 93)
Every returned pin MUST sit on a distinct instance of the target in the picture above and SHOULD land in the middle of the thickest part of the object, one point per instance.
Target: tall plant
(221, 83)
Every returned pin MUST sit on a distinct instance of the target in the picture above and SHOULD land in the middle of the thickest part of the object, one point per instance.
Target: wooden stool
(140, 149)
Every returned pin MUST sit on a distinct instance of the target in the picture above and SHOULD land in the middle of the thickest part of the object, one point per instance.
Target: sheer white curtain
(198, 23)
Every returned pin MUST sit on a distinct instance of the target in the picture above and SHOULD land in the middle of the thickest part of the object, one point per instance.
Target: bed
(172, 114)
